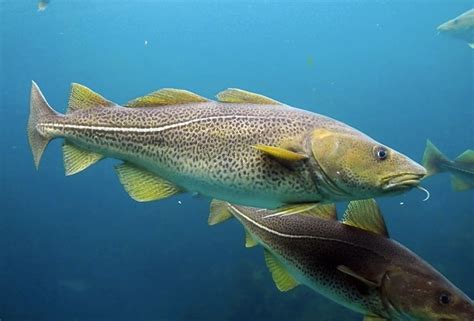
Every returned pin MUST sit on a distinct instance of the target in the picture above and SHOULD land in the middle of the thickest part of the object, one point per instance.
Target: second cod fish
(461, 168)
(244, 148)
(352, 262)
(461, 27)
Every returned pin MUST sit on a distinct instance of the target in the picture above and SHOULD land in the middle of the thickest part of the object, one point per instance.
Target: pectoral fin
(346, 270)
(283, 280)
(293, 209)
(280, 154)
(77, 159)
(144, 186)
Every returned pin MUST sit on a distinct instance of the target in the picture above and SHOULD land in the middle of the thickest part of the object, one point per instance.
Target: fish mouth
(401, 181)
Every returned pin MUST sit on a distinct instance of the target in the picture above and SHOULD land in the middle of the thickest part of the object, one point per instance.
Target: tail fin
(39, 111)
(433, 159)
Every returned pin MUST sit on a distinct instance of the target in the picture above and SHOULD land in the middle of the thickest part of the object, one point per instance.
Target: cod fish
(461, 27)
(352, 262)
(461, 169)
(244, 148)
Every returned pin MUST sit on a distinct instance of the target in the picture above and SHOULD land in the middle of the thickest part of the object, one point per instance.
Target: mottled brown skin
(208, 148)
(312, 248)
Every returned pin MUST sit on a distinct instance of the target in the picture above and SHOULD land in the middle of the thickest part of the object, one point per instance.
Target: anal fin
(283, 280)
(77, 159)
(144, 186)
(460, 185)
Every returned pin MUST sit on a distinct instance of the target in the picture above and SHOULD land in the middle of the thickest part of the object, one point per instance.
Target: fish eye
(381, 152)
(445, 298)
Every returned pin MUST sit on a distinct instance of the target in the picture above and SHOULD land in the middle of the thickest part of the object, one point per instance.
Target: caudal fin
(39, 111)
(433, 159)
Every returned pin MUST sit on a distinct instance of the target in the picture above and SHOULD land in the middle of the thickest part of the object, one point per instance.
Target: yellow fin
(281, 154)
(293, 209)
(460, 185)
(283, 280)
(374, 318)
(324, 211)
(249, 240)
(344, 269)
(166, 96)
(144, 186)
(466, 157)
(82, 97)
(219, 212)
(77, 159)
(365, 214)
(234, 95)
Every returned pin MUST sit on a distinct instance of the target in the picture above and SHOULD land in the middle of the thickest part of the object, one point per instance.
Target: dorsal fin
(83, 98)
(283, 280)
(324, 211)
(466, 157)
(234, 95)
(166, 96)
(365, 214)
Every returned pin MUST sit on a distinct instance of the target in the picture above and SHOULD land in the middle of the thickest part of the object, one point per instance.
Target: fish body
(461, 27)
(352, 262)
(260, 153)
(461, 168)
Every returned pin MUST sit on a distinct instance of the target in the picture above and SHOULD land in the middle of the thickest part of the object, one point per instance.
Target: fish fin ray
(249, 240)
(292, 209)
(324, 211)
(466, 157)
(283, 280)
(239, 96)
(280, 154)
(219, 212)
(433, 159)
(144, 186)
(77, 159)
(39, 111)
(459, 184)
(82, 98)
(365, 214)
(166, 96)
(346, 270)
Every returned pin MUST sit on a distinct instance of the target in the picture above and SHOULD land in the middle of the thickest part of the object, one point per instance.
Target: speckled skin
(207, 147)
(312, 248)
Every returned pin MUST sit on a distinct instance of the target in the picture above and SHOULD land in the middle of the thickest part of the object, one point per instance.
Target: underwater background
(79, 248)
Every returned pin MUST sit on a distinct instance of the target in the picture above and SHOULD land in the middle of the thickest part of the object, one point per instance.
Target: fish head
(459, 24)
(355, 166)
(423, 294)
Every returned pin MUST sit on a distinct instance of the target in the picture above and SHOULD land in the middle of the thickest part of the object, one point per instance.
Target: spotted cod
(244, 148)
(352, 262)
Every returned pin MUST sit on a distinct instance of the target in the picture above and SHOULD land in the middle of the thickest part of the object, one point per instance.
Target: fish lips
(401, 182)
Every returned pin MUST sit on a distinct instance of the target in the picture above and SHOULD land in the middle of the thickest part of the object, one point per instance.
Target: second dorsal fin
(365, 214)
(234, 95)
(166, 96)
(82, 97)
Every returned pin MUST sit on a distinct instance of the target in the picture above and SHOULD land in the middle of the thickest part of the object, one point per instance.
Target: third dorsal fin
(234, 95)
(166, 96)
(365, 214)
(82, 97)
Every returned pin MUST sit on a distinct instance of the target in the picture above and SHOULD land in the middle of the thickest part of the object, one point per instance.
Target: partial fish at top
(461, 27)
(244, 148)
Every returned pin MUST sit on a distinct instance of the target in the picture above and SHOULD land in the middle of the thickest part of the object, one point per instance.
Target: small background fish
(160, 261)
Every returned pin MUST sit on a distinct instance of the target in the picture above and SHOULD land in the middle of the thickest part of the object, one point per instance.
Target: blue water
(78, 248)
